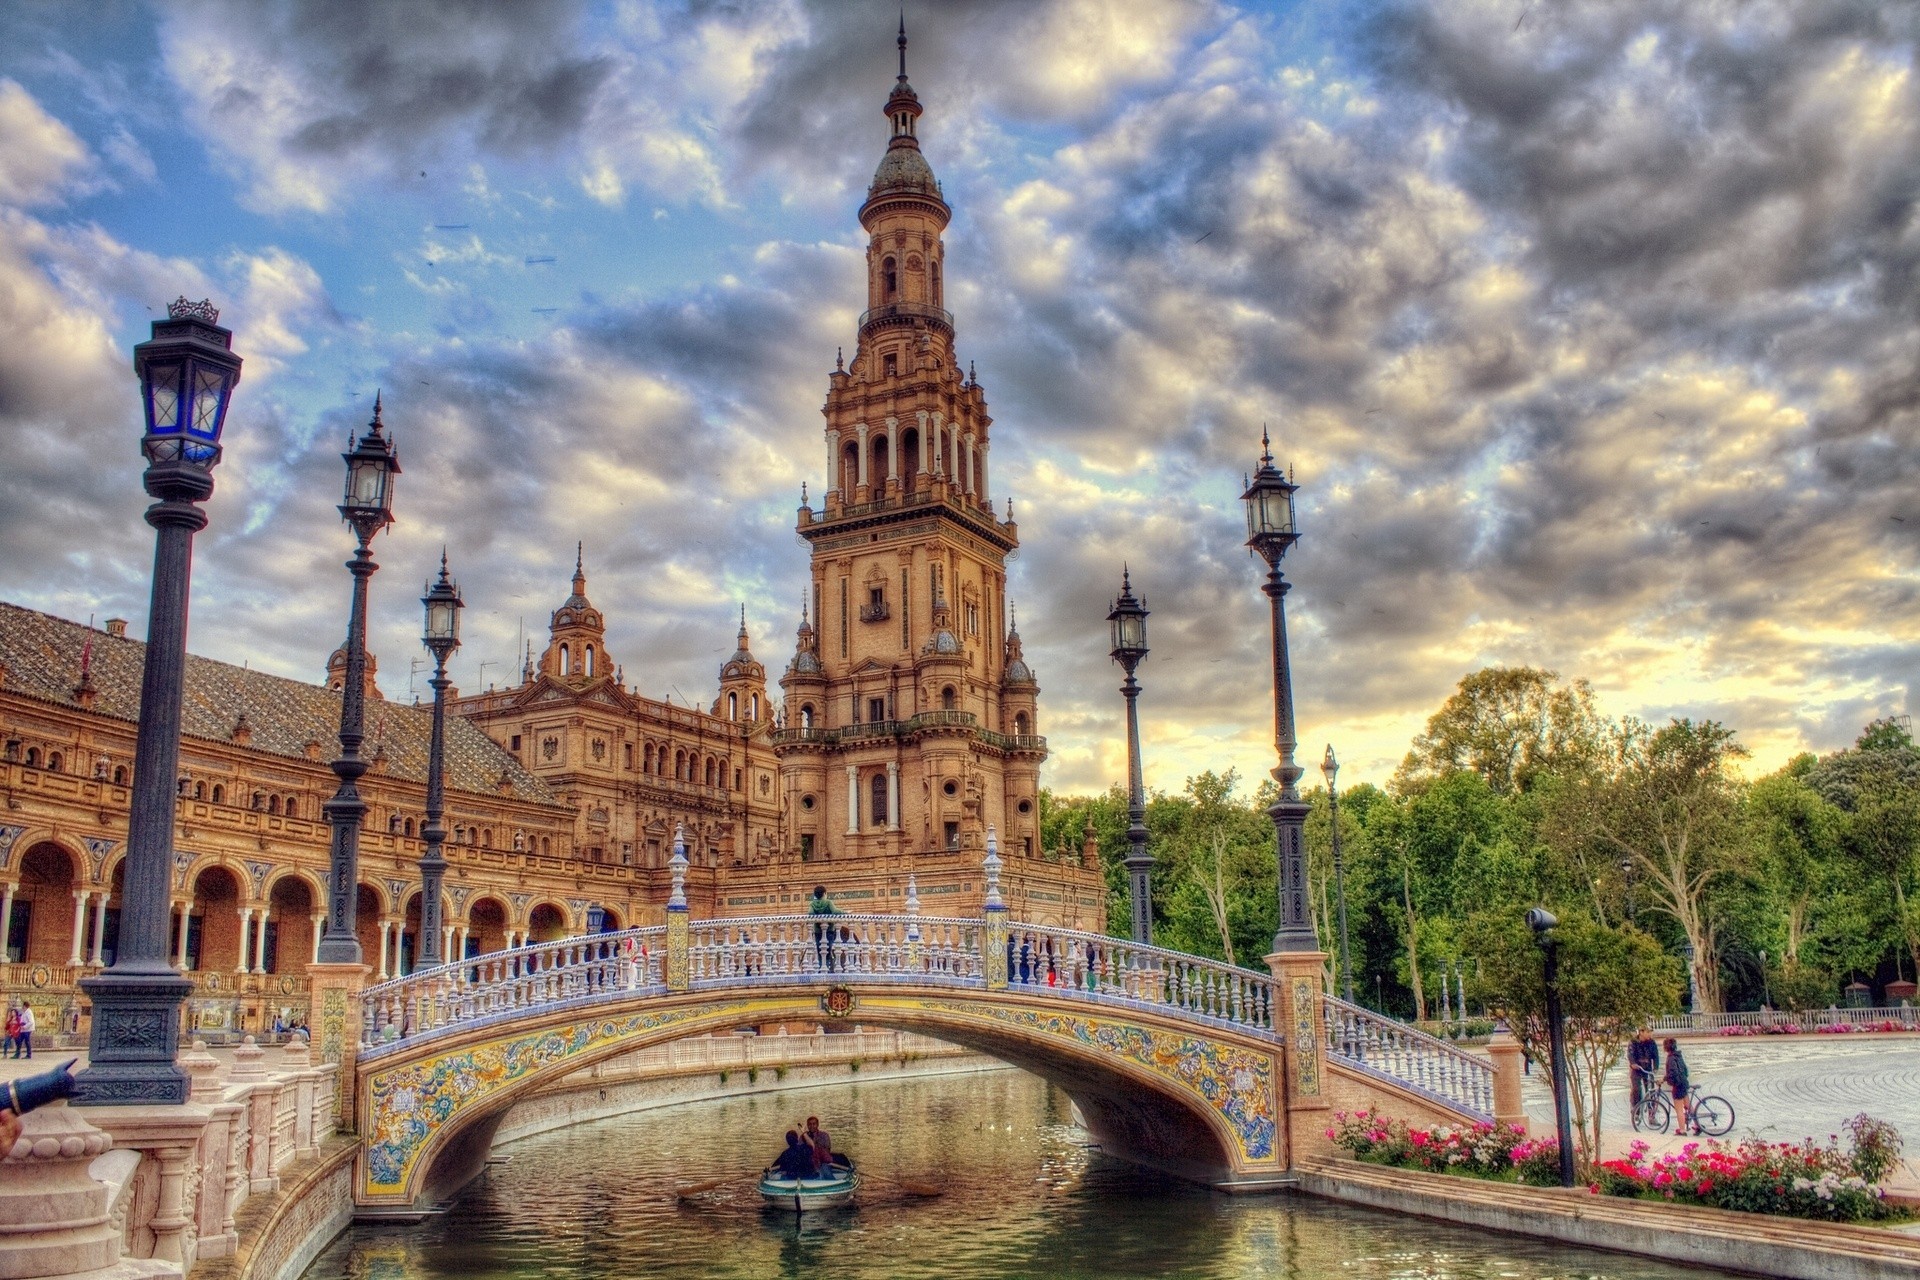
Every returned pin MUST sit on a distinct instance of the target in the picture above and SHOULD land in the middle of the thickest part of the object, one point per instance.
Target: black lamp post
(1270, 531)
(368, 508)
(1626, 873)
(1331, 769)
(443, 605)
(1128, 620)
(187, 374)
(1542, 922)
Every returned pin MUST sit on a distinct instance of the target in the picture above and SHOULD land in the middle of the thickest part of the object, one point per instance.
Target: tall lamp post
(443, 605)
(367, 508)
(1270, 531)
(187, 374)
(1129, 622)
(1331, 769)
(1542, 922)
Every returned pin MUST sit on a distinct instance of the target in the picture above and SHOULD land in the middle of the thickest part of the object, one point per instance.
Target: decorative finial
(839, 359)
(579, 556)
(1126, 579)
(903, 43)
(181, 309)
(991, 866)
(1009, 510)
(1266, 447)
(971, 380)
(375, 424)
(443, 563)
(1013, 616)
(803, 493)
(677, 864)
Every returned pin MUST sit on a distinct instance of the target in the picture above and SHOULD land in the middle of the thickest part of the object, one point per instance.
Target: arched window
(909, 455)
(54, 762)
(753, 706)
(566, 661)
(486, 837)
(889, 279)
(878, 809)
(407, 828)
(733, 706)
(33, 761)
(711, 766)
(546, 844)
(588, 666)
(119, 775)
(877, 462)
(1020, 724)
(288, 808)
(806, 715)
(948, 699)
(273, 803)
(199, 789)
(933, 270)
(219, 794)
(647, 760)
(680, 766)
(850, 467)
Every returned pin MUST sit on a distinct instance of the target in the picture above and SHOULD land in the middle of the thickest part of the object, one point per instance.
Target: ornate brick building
(907, 727)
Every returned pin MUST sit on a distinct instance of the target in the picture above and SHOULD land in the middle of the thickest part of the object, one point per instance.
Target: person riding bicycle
(1678, 1085)
(1643, 1059)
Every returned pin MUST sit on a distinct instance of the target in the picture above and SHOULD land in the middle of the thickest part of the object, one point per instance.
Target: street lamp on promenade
(1331, 769)
(1128, 620)
(368, 508)
(443, 605)
(1270, 531)
(1542, 922)
(187, 374)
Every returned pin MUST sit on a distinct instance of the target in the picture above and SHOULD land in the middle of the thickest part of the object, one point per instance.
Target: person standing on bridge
(823, 933)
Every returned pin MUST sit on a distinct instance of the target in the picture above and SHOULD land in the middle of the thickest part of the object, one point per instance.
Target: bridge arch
(1201, 1103)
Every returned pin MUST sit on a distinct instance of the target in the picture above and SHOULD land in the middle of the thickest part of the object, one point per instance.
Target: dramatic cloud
(1589, 329)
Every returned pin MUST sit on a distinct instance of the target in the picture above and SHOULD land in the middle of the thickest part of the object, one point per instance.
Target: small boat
(832, 1190)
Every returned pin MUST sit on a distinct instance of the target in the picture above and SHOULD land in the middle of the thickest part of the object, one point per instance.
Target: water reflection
(1024, 1197)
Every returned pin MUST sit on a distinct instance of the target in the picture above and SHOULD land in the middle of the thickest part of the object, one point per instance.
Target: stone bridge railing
(774, 951)
(1406, 1056)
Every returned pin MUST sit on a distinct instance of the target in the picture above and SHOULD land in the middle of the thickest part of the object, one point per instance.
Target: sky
(1589, 330)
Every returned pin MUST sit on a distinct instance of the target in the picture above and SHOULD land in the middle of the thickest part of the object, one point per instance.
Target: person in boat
(824, 1158)
(797, 1161)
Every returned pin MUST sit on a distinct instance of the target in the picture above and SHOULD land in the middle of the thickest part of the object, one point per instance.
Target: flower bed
(1804, 1180)
(1825, 1028)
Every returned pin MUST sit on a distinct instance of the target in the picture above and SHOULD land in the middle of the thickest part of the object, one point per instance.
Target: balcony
(875, 612)
(907, 311)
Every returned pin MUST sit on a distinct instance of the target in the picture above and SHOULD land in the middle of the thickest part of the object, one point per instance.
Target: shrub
(780, 1072)
(1802, 1180)
(1876, 1147)
(753, 1075)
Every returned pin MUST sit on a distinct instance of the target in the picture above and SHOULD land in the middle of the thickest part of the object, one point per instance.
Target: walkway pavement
(1783, 1089)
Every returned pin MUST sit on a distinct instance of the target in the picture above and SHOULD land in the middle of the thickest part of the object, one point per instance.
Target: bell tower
(577, 635)
(899, 735)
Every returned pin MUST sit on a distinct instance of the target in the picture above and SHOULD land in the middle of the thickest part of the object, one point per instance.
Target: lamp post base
(135, 1041)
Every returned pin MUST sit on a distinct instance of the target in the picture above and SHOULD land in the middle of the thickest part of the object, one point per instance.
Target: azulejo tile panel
(409, 1103)
(1237, 1083)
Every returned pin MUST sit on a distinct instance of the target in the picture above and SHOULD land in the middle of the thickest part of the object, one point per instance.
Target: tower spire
(580, 568)
(903, 44)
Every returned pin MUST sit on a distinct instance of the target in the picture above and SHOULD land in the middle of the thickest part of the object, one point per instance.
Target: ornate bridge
(1219, 1073)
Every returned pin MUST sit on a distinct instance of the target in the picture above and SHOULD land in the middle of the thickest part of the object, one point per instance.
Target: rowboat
(797, 1195)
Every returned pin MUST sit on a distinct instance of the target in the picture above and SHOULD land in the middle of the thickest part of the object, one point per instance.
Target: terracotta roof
(41, 654)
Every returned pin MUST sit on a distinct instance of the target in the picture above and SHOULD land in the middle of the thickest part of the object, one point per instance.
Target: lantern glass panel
(1133, 631)
(443, 619)
(367, 483)
(163, 398)
(209, 402)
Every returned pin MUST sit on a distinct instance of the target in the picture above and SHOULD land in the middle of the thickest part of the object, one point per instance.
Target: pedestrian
(26, 1029)
(13, 1031)
(823, 939)
(1678, 1085)
(1643, 1059)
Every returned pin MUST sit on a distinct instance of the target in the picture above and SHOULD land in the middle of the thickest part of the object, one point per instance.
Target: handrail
(1409, 1057)
(890, 310)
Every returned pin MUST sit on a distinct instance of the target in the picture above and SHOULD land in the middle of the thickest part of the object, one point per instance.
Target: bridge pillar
(333, 1020)
(1299, 977)
(1507, 1054)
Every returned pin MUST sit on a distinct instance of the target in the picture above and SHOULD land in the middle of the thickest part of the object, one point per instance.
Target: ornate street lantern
(371, 466)
(443, 605)
(1128, 621)
(187, 374)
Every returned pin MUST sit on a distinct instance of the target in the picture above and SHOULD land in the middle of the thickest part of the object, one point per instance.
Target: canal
(1025, 1197)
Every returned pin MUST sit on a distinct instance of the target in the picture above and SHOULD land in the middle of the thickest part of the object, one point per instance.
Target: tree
(1613, 980)
(1877, 786)
(1668, 802)
(1506, 724)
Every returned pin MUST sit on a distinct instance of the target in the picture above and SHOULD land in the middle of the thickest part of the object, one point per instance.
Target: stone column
(260, 944)
(1301, 1016)
(893, 450)
(985, 447)
(853, 800)
(319, 922)
(384, 927)
(99, 929)
(334, 1017)
(833, 459)
(1507, 1069)
(246, 938)
(925, 443)
(464, 931)
(893, 795)
(79, 927)
(186, 919)
(966, 446)
(861, 474)
(6, 915)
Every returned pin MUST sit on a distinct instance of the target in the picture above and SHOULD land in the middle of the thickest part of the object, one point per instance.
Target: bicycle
(1709, 1113)
(1653, 1112)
